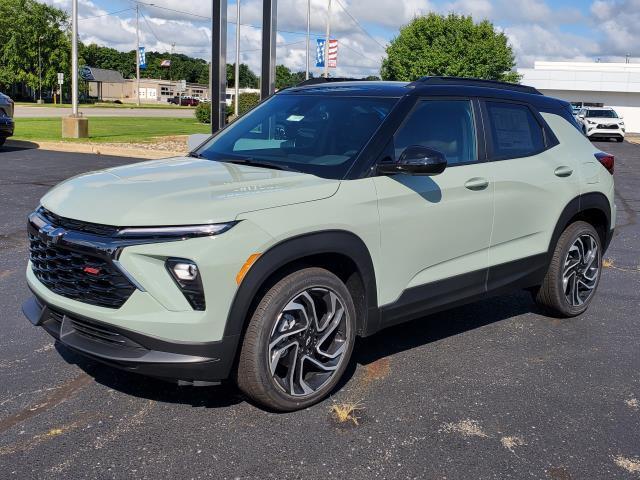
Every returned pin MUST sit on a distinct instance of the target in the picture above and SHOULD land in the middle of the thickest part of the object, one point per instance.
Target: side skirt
(470, 287)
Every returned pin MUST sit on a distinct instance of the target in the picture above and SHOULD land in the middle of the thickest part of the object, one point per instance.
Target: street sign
(333, 53)
(60, 78)
(142, 58)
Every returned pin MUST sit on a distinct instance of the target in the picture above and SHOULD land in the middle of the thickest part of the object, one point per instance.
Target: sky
(582, 30)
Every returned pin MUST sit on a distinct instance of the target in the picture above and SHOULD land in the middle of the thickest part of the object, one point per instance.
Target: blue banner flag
(320, 47)
(142, 58)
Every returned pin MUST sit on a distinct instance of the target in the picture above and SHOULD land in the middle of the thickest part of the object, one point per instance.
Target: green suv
(330, 211)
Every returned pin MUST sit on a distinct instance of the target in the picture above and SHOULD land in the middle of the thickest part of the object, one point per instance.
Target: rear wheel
(574, 272)
(298, 342)
(2, 140)
(620, 140)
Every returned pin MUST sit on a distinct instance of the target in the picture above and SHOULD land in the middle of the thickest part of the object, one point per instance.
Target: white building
(614, 85)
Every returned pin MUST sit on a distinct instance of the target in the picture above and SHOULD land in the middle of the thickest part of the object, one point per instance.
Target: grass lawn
(110, 129)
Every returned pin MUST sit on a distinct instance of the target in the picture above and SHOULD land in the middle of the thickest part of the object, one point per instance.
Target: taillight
(607, 160)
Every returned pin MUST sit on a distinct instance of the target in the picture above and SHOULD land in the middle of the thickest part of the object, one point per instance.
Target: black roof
(441, 86)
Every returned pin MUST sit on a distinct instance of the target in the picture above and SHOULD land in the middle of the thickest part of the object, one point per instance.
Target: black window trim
(477, 126)
(549, 139)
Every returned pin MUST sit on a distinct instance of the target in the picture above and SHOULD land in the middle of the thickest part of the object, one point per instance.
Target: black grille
(77, 225)
(63, 272)
(607, 127)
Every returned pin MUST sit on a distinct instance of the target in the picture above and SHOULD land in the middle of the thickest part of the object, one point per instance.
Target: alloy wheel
(308, 341)
(581, 270)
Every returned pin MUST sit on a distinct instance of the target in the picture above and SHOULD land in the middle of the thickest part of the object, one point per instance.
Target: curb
(96, 149)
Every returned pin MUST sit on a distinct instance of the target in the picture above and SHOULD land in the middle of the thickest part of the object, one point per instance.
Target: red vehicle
(184, 101)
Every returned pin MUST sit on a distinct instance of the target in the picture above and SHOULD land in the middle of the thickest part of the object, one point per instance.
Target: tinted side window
(444, 125)
(515, 132)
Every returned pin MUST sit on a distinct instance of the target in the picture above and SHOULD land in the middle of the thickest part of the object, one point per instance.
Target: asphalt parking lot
(489, 390)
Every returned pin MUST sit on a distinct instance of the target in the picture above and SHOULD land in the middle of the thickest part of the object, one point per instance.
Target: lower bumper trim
(192, 363)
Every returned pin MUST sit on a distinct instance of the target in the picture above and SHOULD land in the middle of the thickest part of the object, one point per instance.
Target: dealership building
(615, 85)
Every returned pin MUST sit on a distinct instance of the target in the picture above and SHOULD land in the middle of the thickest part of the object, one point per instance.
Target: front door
(435, 231)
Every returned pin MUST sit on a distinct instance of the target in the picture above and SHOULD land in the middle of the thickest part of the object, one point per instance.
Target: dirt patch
(559, 473)
(377, 370)
(632, 403)
(512, 442)
(467, 428)
(631, 465)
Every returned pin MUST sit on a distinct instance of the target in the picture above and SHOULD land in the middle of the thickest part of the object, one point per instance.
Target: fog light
(187, 277)
(185, 271)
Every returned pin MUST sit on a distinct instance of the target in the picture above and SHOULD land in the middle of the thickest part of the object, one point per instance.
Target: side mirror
(195, 140)
(416, 160)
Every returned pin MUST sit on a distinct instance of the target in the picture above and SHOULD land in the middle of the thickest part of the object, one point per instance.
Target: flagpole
(326, 42)
(306, 77)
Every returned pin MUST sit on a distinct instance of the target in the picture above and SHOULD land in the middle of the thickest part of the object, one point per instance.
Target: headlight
(590, 122)
(177, 232)
(621, 124)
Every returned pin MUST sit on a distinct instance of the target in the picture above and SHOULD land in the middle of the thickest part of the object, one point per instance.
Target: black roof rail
(475, 82)
(319, 80)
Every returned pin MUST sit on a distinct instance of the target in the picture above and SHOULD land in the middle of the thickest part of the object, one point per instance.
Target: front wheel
(574, 272)
(298, 342)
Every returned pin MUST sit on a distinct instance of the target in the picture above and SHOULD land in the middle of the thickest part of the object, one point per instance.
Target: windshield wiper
(195, 155)
(252, 163)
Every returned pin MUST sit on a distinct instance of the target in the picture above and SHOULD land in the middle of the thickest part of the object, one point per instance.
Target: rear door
(534, 177)
(435, 231)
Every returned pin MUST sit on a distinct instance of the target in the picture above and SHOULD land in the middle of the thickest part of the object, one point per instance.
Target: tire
(583, 277)
(278, 333)
(2, 140)
(620, 140)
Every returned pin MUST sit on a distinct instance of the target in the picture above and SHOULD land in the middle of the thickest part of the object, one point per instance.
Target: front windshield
(601, 114)
(316, 134)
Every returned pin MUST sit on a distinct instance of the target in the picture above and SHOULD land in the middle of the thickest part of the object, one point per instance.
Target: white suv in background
(601, 122)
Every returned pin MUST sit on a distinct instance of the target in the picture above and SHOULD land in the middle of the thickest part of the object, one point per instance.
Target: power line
(105, 14)
(355, 20)
(149, 25)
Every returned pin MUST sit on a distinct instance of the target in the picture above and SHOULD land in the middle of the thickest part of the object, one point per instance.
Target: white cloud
(618, 21)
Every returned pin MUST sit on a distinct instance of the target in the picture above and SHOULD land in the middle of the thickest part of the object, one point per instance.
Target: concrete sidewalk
(151, 152)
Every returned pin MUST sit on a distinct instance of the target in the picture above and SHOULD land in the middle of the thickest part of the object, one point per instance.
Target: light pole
(306, 76)
(236, 108)
(326, 42)
(39, 69)
(138, 54)
(75, 125)
(74, 59)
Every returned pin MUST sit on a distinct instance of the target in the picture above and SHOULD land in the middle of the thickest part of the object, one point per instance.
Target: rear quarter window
(515, 131)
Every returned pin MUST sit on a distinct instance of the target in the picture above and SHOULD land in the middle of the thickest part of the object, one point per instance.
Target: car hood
(180, 191)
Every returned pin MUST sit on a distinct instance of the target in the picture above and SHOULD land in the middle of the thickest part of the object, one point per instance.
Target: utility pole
(236, 108)
(306, 76)
(326, 42)
(138, 53)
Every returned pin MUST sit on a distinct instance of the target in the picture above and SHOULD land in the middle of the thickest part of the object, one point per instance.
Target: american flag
(333, 53)
(165, 63)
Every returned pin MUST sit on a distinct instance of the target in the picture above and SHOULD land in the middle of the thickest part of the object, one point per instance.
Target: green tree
(286, 78)
(451, 45)
(248, 79)
(25, 27)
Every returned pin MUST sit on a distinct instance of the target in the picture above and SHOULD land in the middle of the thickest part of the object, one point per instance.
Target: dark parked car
(184, 101)
(6, 118)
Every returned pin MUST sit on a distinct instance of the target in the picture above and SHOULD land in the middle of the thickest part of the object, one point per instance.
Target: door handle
(477, 183)
(563, 171)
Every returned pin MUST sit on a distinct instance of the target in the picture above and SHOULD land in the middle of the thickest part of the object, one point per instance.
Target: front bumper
(596, 132)
(184, 362)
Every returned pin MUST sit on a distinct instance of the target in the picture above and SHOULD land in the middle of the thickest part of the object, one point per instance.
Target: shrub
(203, 112)
(247, 101)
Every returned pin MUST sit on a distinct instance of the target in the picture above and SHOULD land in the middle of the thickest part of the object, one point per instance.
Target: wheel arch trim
(296, 248)
(582, 203)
